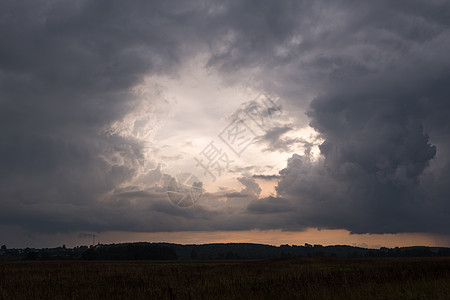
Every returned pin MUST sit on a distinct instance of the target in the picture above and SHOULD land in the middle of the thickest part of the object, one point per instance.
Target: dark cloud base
(374, 79)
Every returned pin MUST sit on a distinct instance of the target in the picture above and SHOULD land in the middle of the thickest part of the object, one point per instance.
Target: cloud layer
(373, 79)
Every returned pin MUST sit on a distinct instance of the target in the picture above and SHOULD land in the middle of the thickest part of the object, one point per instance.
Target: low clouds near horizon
(80, 113)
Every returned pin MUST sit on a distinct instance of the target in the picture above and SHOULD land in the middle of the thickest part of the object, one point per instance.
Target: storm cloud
(77, 148)
(380, 114)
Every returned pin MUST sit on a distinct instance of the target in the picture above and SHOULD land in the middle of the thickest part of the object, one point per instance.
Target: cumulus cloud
(381, 149)
(251, 187)
(275, 142)
(67, 74)
(78, 118)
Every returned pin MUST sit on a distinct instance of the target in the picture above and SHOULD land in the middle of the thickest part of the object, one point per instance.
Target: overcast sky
(292, 116)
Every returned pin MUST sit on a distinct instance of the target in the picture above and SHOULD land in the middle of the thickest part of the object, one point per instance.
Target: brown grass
(302, 278)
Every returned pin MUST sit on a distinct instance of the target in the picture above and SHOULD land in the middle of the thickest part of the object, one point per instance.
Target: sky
(277, 122)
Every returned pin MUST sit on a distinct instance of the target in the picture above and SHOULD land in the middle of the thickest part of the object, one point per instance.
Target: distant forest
(231, 251)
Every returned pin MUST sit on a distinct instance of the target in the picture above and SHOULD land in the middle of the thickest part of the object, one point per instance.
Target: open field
(300, 278)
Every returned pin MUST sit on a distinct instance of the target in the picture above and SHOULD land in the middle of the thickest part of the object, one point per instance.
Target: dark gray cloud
(251, 187)
(380, 113)
(373, 77)
(267, 177)
(274, 140)
(66, 69)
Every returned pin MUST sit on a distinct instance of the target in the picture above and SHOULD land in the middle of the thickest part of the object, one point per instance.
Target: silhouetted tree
(194, 254)
(89, 254)
(33, 255)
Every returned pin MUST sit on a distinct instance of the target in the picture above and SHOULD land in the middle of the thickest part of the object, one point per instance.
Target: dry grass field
(300, 278)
